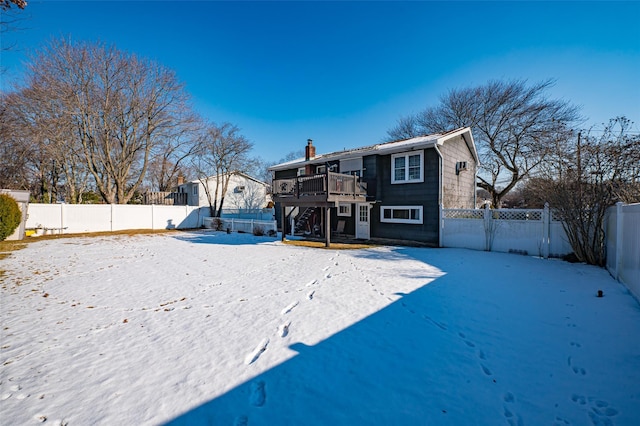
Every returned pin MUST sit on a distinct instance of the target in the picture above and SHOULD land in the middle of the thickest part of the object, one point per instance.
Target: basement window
(344, 210)
(401, 214)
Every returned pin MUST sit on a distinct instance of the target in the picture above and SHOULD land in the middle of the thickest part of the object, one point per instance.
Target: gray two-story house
(390, 190)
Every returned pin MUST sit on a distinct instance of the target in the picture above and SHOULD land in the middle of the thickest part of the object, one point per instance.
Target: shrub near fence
(527, 231)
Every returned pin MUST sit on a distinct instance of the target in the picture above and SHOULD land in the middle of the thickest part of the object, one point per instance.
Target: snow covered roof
(246, 176)
(385, 148)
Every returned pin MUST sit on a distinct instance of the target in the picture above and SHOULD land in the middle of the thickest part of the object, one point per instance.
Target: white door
(362, 221)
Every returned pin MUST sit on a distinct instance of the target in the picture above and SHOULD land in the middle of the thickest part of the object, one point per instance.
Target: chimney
(309, 150)
(180, 180)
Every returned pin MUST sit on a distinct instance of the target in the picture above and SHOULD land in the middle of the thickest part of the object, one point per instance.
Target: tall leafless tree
(596, 170)
(223, 151)
(114, 111)
(514, 125)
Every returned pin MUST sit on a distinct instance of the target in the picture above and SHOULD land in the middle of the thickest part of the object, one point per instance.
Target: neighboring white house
(243, 192)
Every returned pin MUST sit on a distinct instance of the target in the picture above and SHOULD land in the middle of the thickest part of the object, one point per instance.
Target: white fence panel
(530, 231)
(629, 271)
(127, 216)
(623, 245)
(44, 216)
(558, 242)
(172, 217)
(463, 228)
(78, 218)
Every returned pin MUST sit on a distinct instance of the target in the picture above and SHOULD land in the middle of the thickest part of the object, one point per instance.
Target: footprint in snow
(289, 308)
(310, 295)
(258, 395)
(284, 329)
(314, 282)
(253, 356)
(486, 370)
(241, 421)
(578, 399)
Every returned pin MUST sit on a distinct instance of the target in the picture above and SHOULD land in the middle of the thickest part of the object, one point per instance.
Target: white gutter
(440, 192)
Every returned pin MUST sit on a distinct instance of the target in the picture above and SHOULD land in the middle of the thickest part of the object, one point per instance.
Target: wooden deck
(321, 190)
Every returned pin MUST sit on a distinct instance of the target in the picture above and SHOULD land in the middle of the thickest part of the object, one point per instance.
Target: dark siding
(286, 174)
(349, 221)
(411, 194)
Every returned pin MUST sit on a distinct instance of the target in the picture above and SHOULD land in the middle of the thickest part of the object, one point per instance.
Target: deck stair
(302, 219)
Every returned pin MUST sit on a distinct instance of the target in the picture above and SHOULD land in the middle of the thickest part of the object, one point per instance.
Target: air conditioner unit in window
(460, 166)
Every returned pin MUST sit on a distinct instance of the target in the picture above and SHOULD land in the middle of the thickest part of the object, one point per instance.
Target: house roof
(419, 142)
(246, 176)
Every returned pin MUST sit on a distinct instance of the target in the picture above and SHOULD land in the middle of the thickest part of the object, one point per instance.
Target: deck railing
(326, 184)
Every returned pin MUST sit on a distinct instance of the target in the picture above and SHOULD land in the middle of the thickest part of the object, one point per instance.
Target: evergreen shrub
(10, 216)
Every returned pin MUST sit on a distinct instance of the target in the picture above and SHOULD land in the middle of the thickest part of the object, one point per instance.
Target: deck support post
(283, 220)
(327, 226)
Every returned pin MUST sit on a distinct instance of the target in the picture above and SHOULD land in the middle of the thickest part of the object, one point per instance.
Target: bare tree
(116, 108)
(223, 151)
(14, 149)
(6, 4)
(9, 18)
(514, 125)
(599, 171)
(171, 158)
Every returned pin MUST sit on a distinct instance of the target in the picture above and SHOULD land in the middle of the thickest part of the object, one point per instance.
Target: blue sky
(342, 73)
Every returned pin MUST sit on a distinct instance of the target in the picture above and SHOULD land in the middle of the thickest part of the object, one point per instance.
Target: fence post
(61, 218)
(487, 228)
(619, 238)
(546, 226)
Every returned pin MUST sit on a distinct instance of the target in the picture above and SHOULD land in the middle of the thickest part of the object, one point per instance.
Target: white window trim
(406, 156)
(347, 211)
(194, 190)
(410, 221)
(321, 169)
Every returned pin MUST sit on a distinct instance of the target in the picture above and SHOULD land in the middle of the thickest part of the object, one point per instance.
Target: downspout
(440, 193)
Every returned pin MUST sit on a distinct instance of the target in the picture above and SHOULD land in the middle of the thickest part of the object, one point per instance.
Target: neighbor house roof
(419, 142)
(246, 176)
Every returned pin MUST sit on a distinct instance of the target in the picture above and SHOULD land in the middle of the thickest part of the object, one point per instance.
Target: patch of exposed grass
(334, 246)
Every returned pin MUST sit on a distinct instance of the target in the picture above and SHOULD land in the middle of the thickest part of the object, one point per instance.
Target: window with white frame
(344, 209)
(407, 167)
(321, 169)
(401, 214)
(194, 190)
(301, 171)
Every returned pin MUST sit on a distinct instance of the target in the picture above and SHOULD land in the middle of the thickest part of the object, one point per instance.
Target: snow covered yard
(210, 328)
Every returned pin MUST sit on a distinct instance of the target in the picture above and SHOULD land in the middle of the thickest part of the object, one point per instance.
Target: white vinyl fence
(533, 232)
(623, 245)
(242, 225)
(79, 218)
